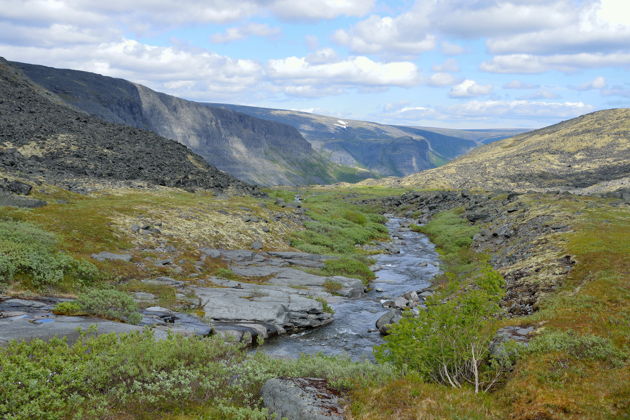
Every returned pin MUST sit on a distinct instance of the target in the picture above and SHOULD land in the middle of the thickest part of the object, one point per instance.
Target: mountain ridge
(589, 153)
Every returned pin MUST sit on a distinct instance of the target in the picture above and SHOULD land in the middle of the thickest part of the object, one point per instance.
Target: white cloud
(521, 108)
(450, 65)
(597, 83)
(469, 88)
(404, 34)
(528, 63)
(241, 32)
(354, 70)
(325, 55)
(491, 18)
(320, 9)
(518, 84)
(541, 94)
(442, 79)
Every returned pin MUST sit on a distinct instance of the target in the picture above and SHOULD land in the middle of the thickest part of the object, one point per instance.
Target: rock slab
(302, 399)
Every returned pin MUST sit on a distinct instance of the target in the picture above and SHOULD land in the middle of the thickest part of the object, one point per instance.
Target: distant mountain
(590, 153)
(252, 149)
(42, 139)
(389, 150)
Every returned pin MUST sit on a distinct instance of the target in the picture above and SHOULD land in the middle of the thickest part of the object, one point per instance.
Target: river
(353, 331)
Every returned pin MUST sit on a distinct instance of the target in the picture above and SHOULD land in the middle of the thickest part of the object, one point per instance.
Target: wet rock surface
(302, 399)
(401, 276)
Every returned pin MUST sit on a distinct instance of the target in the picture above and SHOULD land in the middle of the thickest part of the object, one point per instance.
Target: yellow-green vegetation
(576, 366)
(134, 376)
(52, 245)
(570, 154)
(339, 225)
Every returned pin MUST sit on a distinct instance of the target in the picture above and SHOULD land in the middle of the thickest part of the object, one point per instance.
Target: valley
(491, 286)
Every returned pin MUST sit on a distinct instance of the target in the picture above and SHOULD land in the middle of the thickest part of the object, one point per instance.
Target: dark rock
(15, 187)
(388, 318)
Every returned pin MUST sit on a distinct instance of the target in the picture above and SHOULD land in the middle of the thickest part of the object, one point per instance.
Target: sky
(440, 63)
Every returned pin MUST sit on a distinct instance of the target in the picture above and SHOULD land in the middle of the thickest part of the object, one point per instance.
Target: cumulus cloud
(469, 88)
(320, 9)
(354, 70)
(241, 32)
(403, 34)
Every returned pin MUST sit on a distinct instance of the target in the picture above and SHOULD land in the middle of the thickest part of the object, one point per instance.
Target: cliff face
(42, 139)
(249, 148)
(387, 150)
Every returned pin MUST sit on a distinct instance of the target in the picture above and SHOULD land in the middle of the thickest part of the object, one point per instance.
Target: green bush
(68, 308)
(31, 255)
(584, 347)
(109, 303)
(449, 231)
(325, 305)
(445, 343)
(134, 376)
(355, 217)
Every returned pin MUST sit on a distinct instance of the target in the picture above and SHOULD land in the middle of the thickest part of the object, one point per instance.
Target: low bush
(68, 308)
(31, 256)
(134, 376)
(583, 347)
(325, 305)
(332, 286)
(106, 303)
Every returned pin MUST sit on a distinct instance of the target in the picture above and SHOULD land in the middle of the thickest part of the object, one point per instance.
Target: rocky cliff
(386, 150)
(43, 140)
(254, 150)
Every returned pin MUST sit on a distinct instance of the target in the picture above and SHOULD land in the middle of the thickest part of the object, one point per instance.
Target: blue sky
(443, 63)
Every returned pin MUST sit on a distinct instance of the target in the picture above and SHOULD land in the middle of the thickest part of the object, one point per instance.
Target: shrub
(134, 376)
(31, 254)
(446, 343)
(355, 217)
(226, 273)
(108, 303)
(584, 347)
(68, 308)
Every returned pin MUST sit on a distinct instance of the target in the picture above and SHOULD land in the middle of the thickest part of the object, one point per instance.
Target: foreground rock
(302, 399)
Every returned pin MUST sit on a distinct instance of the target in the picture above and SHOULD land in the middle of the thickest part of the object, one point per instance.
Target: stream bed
(353, 331)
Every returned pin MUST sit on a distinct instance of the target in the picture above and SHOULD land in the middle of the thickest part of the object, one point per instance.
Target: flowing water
(352, 332)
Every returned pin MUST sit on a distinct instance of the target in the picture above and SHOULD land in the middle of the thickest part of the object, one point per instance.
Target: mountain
(388, 150)
(42, 139)
(589, 153)
(252, 149)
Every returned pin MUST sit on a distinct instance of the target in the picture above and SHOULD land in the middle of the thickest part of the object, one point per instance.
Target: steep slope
(249, 148)
(387, 149)
(590, 153)
(40, 139)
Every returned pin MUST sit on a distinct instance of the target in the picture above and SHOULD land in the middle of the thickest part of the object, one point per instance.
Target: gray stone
(257, 245)
(164, 281)
(387, 319)
(109, 256)
(302, 399)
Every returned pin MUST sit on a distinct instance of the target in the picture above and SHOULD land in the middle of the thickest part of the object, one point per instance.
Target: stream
(353, 331)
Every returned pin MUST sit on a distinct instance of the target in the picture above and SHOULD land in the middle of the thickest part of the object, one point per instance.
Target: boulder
(109, 256)
(387, 319)
(302, 399)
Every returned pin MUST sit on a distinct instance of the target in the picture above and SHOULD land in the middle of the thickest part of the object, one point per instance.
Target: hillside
(42, 140)
(590, 153)
(385, 149)
(251, 149)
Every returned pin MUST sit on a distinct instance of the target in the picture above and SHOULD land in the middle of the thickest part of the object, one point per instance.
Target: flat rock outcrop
(302, 399)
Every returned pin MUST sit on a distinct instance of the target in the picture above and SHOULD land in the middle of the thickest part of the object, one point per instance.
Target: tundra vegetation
(434, 365)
